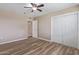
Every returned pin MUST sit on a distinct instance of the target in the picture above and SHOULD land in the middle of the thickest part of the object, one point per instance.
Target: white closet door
(69, 29)
(34, 28)
(56, 29)
(64, 29)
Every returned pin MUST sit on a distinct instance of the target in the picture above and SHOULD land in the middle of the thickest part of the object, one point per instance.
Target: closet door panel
(56, 29)
(69, 29)
(64, 29)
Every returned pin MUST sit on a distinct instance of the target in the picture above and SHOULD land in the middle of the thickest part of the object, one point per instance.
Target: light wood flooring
(33, 46)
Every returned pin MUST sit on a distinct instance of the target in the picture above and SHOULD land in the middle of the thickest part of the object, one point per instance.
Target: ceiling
(48, 7)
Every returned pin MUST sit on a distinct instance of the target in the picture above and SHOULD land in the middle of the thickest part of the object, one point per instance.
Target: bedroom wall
(44, 21)
(13, 26)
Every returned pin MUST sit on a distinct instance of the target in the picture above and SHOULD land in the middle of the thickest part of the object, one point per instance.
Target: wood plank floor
(33, 46)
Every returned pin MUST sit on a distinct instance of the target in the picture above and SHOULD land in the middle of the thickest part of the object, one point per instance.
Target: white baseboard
(23, 39)
(13, 40)
(44, 39)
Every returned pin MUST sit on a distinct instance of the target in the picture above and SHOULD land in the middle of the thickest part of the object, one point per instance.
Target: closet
(64, 29)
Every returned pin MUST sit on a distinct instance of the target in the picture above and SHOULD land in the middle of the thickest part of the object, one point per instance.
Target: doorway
(33, 28)
(29, 28)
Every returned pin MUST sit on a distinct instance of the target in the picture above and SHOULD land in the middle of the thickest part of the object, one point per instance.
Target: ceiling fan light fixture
(34, 8)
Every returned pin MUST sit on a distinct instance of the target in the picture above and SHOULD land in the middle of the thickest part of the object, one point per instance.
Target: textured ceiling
(48, 7)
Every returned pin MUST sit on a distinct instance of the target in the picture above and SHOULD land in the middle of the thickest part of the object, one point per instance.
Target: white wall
(13, 26)
(44, 27)
(12, 30)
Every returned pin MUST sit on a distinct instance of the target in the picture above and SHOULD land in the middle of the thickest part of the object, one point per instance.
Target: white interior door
(34, 29)
(64, 29)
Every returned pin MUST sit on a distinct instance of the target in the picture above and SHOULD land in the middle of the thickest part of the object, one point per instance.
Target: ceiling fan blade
(32, 4)
(39, 10)
(27, 7)
(42, 5)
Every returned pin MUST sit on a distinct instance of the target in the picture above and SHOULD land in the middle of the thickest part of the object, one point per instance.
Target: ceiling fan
(35, 6)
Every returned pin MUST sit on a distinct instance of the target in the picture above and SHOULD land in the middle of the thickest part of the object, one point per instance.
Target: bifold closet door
(64, 29)
(56, 29)
(70, 27)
